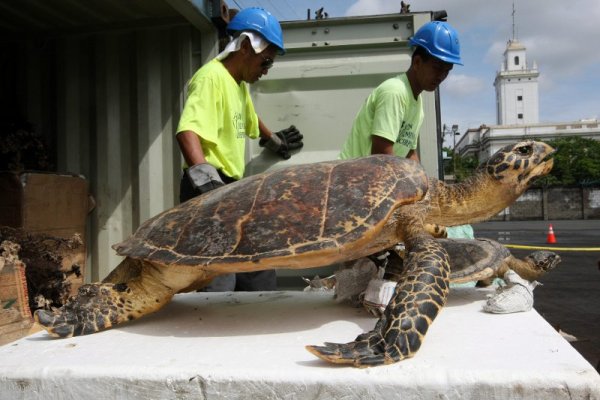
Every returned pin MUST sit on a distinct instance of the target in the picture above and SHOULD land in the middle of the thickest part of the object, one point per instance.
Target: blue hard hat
(258, 20)
(440, 40)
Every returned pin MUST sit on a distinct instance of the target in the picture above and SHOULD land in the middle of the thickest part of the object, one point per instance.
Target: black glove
(204, 177)
(292, 137)
(283, 141)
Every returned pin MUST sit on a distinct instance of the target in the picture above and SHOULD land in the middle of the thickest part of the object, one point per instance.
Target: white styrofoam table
(251, 346)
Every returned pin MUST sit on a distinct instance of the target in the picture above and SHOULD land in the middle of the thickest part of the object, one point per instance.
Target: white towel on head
(257, 41)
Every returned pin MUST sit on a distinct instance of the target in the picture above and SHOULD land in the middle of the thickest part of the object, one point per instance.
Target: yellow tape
(518, 246)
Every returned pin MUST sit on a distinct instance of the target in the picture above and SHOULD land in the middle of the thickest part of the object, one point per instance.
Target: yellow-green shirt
(221, 113)
(392, 112)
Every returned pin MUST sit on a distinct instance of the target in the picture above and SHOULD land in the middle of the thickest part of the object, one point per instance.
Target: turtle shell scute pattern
(471, 257)
(287, 212)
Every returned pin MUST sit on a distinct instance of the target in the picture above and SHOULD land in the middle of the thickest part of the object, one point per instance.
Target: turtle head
(497, 183)
(543, 260)
(517, 165)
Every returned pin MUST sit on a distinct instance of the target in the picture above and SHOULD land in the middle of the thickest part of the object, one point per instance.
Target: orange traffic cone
(550, 238)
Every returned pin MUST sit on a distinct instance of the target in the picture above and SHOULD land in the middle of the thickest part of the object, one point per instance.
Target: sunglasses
(267, 61)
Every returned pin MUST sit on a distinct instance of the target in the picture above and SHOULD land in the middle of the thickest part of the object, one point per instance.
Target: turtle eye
(525, 150)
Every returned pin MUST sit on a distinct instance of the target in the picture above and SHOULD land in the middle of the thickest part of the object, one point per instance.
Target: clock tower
(516, 86)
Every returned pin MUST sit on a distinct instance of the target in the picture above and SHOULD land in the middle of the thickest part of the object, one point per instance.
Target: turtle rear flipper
(100, 306)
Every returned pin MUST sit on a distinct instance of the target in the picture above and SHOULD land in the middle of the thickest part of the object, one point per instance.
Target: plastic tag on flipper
(378, 294)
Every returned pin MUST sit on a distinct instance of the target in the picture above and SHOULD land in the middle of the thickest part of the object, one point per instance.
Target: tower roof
(514, 44)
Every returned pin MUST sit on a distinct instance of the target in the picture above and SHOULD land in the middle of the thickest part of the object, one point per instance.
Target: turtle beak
(554, 260)
(543, 153)
(543, 156)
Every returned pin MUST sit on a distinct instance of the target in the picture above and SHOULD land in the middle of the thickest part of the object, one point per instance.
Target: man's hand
(283, 141)
(204, 177)
(291, 137)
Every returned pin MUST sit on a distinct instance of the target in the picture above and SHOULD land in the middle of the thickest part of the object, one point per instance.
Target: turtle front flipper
(398, 334)
(95, 307)
(99, 306)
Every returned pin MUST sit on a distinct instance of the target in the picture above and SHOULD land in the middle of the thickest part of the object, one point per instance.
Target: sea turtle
(480, 260)
(483, 260)
(308, 216)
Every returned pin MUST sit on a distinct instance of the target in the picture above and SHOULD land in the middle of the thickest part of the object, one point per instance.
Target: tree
(576, 162)
(465, 166)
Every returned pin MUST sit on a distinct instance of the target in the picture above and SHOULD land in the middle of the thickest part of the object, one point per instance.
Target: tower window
(520, 116)
(516, 60)
(519, 98)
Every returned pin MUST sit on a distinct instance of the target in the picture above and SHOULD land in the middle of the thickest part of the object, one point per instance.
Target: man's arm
(203, 176)
(381, 145)
(265, 133)
(412, 155)
(191, 148)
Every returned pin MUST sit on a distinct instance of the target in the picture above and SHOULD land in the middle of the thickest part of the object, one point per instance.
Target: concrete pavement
(569, 298)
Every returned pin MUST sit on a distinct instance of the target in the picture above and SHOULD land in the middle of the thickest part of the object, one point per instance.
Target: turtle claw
(329, 353)
(65, 324)
(358, 354)
(51, 323)
(44, 318)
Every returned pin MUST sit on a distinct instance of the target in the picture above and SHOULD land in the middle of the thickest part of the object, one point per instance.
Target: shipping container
(104, 85)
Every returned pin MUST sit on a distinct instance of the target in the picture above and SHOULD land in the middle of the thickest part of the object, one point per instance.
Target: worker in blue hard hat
(219, 115)
(390, 119)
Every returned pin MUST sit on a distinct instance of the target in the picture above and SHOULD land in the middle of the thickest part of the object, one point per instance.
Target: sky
(561, 37)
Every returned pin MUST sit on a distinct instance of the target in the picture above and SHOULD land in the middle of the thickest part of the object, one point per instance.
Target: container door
(330, 68)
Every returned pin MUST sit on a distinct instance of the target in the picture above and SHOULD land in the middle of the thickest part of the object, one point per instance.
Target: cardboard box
(48, 203)
(15, 315)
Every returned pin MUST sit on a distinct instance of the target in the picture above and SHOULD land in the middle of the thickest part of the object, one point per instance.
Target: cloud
(461, 85)
(561, 39)
(373, 7)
